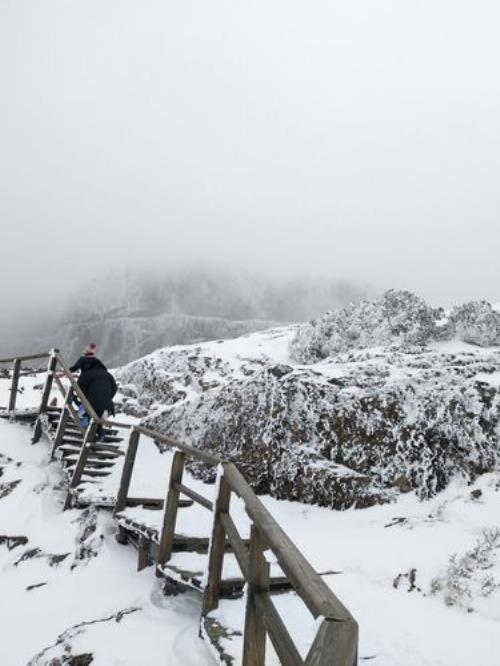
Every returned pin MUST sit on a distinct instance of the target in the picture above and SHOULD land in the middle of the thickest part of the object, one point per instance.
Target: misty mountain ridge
(131, 313)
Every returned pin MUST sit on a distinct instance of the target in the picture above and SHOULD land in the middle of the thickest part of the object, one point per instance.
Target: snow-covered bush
(398, 318)
(473, 574)
(476, 323)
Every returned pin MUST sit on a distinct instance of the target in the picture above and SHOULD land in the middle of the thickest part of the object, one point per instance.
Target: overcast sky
(359, 139)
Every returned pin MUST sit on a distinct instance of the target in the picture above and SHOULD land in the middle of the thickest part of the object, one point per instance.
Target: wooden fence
(336, 641)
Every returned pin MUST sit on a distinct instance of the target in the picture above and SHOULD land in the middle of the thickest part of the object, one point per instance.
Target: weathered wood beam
(171, 506)
(217, 548)
(254, 636)
(197, 454)
(237, 543)
(278, 632)
(336, 644)
(128, 466)
(16, 369)
(196, 497)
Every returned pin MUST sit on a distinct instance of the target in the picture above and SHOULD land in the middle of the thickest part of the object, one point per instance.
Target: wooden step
(98, 464)
(93, 473)
(98, 446)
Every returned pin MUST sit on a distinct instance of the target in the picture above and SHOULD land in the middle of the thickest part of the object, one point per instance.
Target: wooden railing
(336, 641)
(337, 637)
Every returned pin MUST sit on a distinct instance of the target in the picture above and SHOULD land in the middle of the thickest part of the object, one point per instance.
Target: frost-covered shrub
(398, 318)
(473, 574)
(476, 323)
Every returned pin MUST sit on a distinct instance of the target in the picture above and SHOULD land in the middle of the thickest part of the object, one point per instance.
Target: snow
(398, 628)
(369, 550)
(104, 585)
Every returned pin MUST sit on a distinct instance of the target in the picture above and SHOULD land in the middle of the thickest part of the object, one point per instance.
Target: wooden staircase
(85, 457)
(227, 566)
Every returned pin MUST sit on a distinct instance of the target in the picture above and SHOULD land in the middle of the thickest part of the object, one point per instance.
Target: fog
(351, 139)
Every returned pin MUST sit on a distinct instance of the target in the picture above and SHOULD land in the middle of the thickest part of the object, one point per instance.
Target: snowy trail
(371, 547)
(163, 631)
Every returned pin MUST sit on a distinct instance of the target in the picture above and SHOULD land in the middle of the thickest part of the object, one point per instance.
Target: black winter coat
(97, 384)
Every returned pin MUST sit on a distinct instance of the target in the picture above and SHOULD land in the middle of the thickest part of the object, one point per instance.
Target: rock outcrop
(392, 406)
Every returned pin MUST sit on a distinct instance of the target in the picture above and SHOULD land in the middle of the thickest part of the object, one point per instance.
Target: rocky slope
(385, 397)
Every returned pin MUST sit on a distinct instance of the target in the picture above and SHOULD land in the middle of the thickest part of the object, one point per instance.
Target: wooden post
(143, 559)
(88, 440)
(16, 369)
(211, 592)
(37, 433)
(254, 639)
(48, 382)
(69, 403)
(128, 466)
(170, 512)
(61, 427)
(336, 644)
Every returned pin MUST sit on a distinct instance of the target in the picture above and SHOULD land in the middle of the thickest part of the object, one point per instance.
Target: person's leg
(100, 429)
(84, 417)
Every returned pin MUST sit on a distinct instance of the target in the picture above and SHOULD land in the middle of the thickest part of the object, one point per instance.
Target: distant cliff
(131, 314)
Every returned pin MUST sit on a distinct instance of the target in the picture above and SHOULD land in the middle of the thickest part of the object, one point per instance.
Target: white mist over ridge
(132, 312)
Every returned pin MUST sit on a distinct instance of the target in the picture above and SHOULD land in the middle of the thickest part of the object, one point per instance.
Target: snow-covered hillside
(422, 577)
(354, 428)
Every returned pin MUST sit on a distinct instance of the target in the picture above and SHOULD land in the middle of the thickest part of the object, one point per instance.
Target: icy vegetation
(393, 398)
(399, 320)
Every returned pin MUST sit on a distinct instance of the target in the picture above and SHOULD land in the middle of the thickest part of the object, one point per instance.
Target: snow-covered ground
(414, 608)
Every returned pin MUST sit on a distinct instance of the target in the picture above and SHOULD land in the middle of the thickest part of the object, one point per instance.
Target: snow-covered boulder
(351, 430)
(476, 323)
(398, 318)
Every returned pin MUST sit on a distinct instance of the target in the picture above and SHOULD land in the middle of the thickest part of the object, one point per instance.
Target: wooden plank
(151, 502)
(143, 559)
(237, 543)
(211, 593)
(61, 427)
(197, 454)
(31, 357)
(69, 403)
(156, 504)
(80, 465)
(37, 432)
(278, 633)
(48, 382)
(254, 637)
(196, 497)
(311, 588)
(171, 506)
(336, 644)
(128, 466)
(16, 369)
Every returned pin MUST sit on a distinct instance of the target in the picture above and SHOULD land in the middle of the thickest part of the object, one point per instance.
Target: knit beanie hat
(90, 349)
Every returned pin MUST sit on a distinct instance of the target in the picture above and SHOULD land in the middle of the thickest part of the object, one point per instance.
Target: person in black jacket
(97, 384)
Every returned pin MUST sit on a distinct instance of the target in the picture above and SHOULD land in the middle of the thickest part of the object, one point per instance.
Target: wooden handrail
(31, 357)
(197, 454)
(316, 594)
